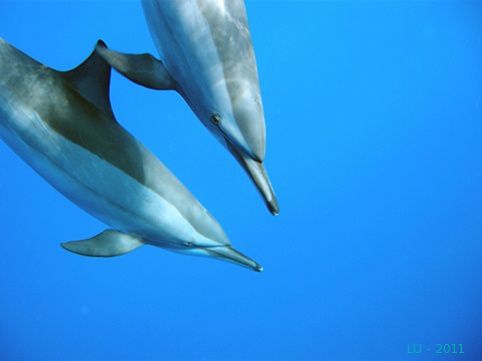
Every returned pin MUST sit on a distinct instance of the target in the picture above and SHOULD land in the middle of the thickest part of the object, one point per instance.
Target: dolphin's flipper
(107, 244)
(142, 69)
(92, 80)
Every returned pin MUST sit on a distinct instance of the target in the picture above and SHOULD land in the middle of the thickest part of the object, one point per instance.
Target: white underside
(92, 183)
(189, 52)
(183, 38)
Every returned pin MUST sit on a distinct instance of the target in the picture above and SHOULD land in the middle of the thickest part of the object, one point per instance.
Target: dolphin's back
(59, 126)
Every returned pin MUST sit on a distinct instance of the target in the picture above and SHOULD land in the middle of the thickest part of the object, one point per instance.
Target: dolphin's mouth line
(259, 177)
(226, 138)
(232, 255)
(211, 247)
(239, 150)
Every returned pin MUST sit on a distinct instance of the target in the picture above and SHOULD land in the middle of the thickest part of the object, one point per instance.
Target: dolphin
(208, 58)
(62, 125)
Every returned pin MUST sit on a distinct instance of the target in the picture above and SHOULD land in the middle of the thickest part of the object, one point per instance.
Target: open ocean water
(374, 119)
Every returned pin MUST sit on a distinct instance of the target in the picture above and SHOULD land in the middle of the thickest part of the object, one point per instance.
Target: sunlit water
(374, 116)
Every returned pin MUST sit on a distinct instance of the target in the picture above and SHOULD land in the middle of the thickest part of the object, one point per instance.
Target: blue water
(374, 115)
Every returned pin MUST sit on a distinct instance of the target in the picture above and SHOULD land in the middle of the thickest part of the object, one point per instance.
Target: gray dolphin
(61, 124)
(208, 57)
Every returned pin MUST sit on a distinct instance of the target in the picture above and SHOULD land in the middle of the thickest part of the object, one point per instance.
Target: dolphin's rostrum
(62, 124)
(208, 57)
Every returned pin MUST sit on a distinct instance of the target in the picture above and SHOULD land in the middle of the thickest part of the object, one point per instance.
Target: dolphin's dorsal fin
(143, 69)
(92, 80)
(109, 243)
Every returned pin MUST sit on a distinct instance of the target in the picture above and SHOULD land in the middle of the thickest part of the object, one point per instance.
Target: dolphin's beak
(229, 254)
(259, 176)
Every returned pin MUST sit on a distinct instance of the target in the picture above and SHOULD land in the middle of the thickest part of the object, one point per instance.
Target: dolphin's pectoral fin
(142, 69)
(107, 244)
(92, 80)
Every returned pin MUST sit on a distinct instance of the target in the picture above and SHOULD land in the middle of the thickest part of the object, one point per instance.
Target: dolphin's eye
(216, 119)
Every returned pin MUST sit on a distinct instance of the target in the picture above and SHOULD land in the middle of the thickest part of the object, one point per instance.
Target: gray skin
(61, 124)
(208, 58)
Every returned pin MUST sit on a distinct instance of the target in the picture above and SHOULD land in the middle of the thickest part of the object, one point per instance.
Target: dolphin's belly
(206, 46)
(89, 181)
(184, 36)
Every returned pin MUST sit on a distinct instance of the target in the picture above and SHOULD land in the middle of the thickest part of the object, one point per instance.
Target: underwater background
(374, 119)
